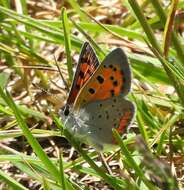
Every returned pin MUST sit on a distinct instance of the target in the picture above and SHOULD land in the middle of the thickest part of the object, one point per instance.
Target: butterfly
(96, 103)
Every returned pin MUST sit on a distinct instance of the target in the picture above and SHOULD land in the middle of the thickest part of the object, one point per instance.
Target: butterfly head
(64, 112)
(73, 122)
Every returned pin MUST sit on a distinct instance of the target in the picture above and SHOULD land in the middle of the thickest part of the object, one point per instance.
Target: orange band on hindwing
(124, 121)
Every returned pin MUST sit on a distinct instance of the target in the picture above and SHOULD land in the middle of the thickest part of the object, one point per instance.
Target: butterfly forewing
(87, 64)
(112, 78)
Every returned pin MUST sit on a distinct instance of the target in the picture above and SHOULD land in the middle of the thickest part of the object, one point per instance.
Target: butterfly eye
(66, 111)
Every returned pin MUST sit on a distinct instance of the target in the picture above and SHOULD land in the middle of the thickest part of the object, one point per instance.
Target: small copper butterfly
(96, 102)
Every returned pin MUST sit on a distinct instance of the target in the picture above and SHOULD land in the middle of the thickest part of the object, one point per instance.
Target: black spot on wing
(100, 79)
(107, 114)
(112, 92)
(111, 77)
(81, 74)
(77, 86)
(91, 91)
(115, 83)
(114, 69)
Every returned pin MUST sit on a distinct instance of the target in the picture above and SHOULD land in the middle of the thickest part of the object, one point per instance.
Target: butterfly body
(99, 103)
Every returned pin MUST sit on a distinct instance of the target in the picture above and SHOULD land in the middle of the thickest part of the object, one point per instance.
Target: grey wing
(101, 116)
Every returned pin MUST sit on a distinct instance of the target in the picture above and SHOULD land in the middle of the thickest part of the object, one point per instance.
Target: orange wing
(88, 62)
(112, 78)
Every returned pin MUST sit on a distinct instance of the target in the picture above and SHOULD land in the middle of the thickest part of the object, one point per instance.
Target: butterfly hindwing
(87, 64)
(111, 78)
(103, 115)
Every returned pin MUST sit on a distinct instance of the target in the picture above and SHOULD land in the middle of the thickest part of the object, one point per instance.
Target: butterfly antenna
(63, 79)
(43, 91)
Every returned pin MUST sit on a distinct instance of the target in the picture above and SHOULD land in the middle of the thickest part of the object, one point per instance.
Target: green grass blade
(169, 27)
(4, 79)
(165, 127)
(76, 7)
(40, 26)
(11, 182)
(32, 141)
(140, 120)
(176, 42)
(62, 171)
(67, 41)
(176, 75)
(100, 52)
(93, 27)
(155, 45)
(46, 186)
(147, 28)
(5, 3)
(131, 161)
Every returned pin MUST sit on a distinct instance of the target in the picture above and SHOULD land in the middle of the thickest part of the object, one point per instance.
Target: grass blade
(32, 141)
(131, 161)
(147, 29)
(176, 42)
(169, 27)
(67, 42)
(11, 182)
(62, 171)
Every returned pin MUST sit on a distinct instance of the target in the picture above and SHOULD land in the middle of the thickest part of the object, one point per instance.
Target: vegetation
(36, 37)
